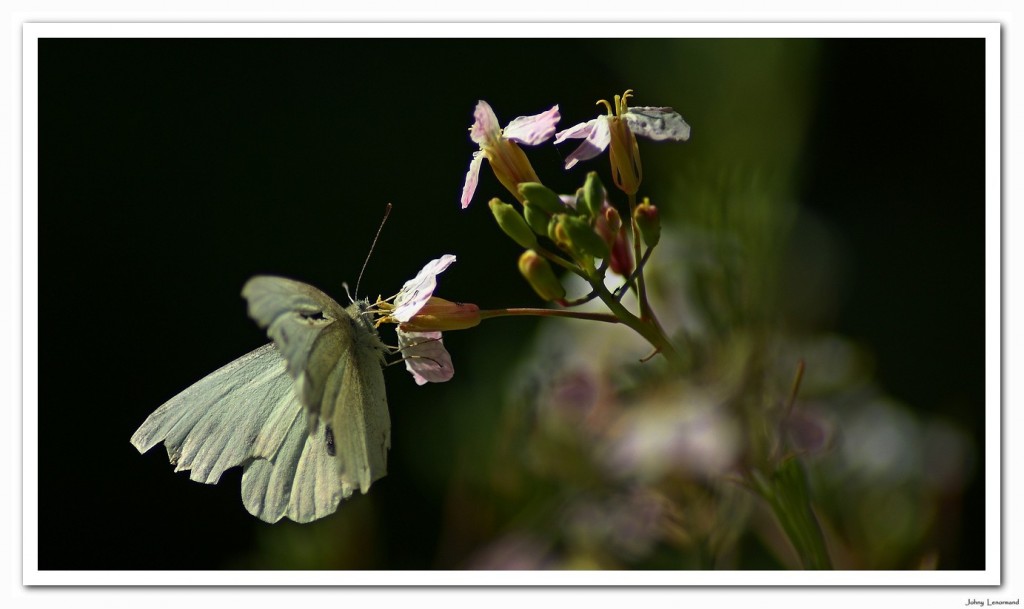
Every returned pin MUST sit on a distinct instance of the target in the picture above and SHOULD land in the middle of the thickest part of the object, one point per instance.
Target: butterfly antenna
(387, 212)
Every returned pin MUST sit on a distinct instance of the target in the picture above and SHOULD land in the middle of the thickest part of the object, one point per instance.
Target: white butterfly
(305, 416)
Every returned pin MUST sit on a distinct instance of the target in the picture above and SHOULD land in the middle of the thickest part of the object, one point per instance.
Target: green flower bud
(560, 238)
(536, 218)
(541, 196)
(576, 235)
(541, 278)
(578, 207)
(593, 194)
(649, 222)
(512, 223)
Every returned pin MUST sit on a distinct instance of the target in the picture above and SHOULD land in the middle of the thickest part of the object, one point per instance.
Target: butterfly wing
(247, 414)
(301, 482)
(232, 415)
(335, 357)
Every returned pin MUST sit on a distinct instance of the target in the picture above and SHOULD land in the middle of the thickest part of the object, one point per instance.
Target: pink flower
(618, 129)
(658, 124)
(418, 290)
(501, 147)
(421, 317)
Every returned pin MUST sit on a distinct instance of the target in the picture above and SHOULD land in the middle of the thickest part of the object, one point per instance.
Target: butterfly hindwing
(226, 419)
(300, 483)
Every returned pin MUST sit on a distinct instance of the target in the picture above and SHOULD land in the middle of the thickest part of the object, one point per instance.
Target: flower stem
(562, 262)
(605, 317)
(641, 286)
(650, 331)
(646, 313)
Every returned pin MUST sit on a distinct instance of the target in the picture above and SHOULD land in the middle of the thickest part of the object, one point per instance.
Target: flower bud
(542, 197)
(439, 314)
(621, 260)
(512, 223)
(612, 217)
(648, 221)
(609, 226)
(541, 277)
(536, 218)
(561, 238)
(576, 235)
(593, 194)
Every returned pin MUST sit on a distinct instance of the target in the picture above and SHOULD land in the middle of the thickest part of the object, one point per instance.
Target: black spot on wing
(329, 440)
(313, 318)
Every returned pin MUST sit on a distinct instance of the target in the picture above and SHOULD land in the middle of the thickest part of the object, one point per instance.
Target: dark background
(170, 171)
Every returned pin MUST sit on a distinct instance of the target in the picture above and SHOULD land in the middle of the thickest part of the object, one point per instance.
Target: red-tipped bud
(609, 226)
(649, 222)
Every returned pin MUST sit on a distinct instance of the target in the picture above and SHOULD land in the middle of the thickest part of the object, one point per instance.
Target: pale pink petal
(598, 139)
(533, 130)
(485, 125)
(576, 132)
(418, 290)
(472, 177)
(425, 356)
(658, 124)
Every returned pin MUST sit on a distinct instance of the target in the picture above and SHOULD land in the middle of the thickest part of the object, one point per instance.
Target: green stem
(652, 332)
(562, 262)
(641, 285)
(621, 290)
(646, 313)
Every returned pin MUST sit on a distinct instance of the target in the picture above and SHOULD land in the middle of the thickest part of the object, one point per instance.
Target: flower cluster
(584, 232)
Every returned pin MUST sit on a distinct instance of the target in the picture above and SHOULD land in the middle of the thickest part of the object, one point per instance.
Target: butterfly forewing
(335, 356)
(360, 422)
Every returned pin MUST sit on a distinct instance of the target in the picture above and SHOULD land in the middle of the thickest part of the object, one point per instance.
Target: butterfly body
(305, 416)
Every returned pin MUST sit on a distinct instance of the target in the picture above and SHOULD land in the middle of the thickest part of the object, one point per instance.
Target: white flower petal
(658, 124)
(576, 131)
(425, 356)
(418, 290)
(485, 124)
(472, 177)
(533, 130)
(597, 140)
